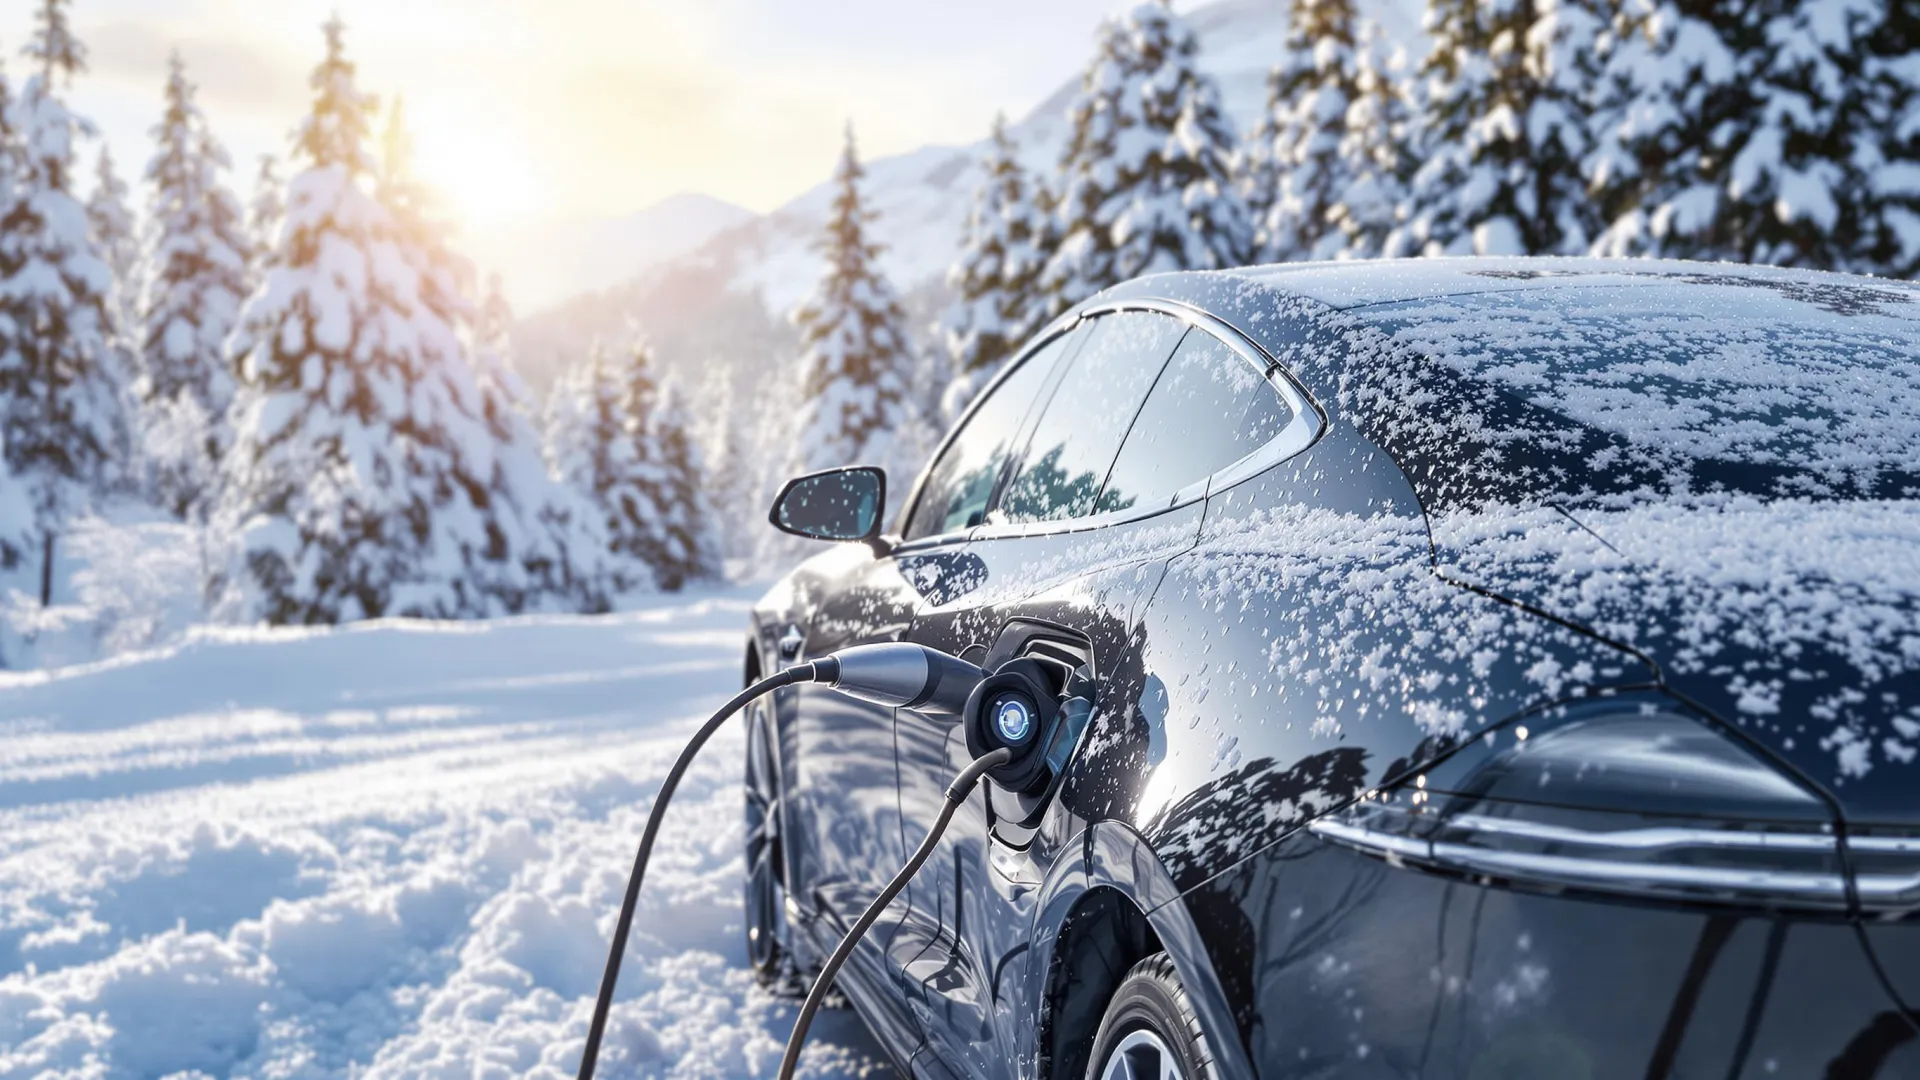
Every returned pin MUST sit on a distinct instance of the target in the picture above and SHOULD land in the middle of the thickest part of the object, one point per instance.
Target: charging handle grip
(901, 675)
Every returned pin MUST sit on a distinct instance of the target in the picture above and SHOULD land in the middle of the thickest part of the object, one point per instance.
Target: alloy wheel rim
(1141, 1055)
(762, 847)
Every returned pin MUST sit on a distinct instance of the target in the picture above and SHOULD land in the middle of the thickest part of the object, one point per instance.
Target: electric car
(1473, 669)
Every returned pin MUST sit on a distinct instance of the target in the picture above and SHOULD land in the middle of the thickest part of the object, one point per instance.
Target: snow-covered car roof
(1360, 283)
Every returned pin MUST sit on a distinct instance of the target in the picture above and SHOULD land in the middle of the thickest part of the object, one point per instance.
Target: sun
(483, 177)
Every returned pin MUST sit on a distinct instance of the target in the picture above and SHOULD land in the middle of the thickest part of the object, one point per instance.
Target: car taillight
(1633, 798)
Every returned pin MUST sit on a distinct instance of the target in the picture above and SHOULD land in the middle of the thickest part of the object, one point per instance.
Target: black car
(1474, 669)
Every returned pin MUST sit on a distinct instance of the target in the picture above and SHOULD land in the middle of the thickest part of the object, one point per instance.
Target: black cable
(957, 793)
(598, 1028)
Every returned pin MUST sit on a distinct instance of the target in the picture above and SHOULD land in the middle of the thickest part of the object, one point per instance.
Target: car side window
(1083, 424)
(1210, 408)
(960, 483)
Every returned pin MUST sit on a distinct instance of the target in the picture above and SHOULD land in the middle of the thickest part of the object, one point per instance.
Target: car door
(1110, 486)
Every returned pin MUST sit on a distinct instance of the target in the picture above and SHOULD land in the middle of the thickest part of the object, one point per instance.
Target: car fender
(1110, 855)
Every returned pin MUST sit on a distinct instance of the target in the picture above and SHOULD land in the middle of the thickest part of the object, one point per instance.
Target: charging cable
(598, 1028)
(957, 793)
(894, 674)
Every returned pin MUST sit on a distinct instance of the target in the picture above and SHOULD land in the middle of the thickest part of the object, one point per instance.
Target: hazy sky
(580, 108)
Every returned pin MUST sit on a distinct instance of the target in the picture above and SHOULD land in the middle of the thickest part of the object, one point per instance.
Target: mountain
(696, 306)
(543, 262)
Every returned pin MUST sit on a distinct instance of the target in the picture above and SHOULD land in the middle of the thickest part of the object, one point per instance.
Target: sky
(580, 109)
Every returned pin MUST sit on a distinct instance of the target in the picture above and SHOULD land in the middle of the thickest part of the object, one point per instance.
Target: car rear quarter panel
(1344, 967)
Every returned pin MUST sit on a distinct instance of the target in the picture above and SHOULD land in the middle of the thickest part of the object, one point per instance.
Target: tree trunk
(46, 570)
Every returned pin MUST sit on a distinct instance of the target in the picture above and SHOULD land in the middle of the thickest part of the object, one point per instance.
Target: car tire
(1150, 1031)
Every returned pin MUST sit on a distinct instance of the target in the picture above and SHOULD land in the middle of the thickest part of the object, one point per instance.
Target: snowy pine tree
(333, 481)
(1147, 177)
(112, 227)
(197, 278)
(860, 405)
(564, 544)
(1758, 133)
(59, 399)
(997, 275)
(494, 507)
(1509, 89)
(1256, 170)
(1095, 174)
(564, 426)
(268, 208)
(1378, 151)
(620, 441)
(731, 435)
(1883, 236)
(1309, 95)
(689, 546)
(113, 232)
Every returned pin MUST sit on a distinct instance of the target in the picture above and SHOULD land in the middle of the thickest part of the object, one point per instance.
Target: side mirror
(839, 504)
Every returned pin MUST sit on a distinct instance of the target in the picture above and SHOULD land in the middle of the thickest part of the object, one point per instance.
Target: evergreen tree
(563, 545)
(566, 434)
(1378, 151)
(111, 224)
(998, 271)
(1256, 170)
(338, 467)
(493, 504)
(62, 407)
(622, 442)
(1885, 195)
(1508, 93)
(1095, 175)
(1310, 94)
(1148, 171)
(113, 233)
(860, 405)
(688, 546)
(268, 209)
(1756, 132)
(731, 435)
(197, 279)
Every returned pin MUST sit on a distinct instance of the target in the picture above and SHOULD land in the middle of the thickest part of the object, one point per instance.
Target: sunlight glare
(482, 178)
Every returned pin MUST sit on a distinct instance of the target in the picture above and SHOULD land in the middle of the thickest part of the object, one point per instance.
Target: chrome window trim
(1308, 424)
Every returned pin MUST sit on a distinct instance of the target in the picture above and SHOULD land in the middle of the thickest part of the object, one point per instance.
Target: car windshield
(1766, 386)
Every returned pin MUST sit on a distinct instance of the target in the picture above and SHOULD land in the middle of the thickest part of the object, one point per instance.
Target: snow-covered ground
(389, 850)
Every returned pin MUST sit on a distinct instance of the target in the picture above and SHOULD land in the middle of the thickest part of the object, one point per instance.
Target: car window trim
(1308, 424)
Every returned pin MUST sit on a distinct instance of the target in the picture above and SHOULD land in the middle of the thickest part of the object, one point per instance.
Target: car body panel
(1347, 968)
(1309, 654)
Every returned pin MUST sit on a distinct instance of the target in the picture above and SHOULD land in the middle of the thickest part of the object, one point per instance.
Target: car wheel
(765, 889)
(1150, 1031)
